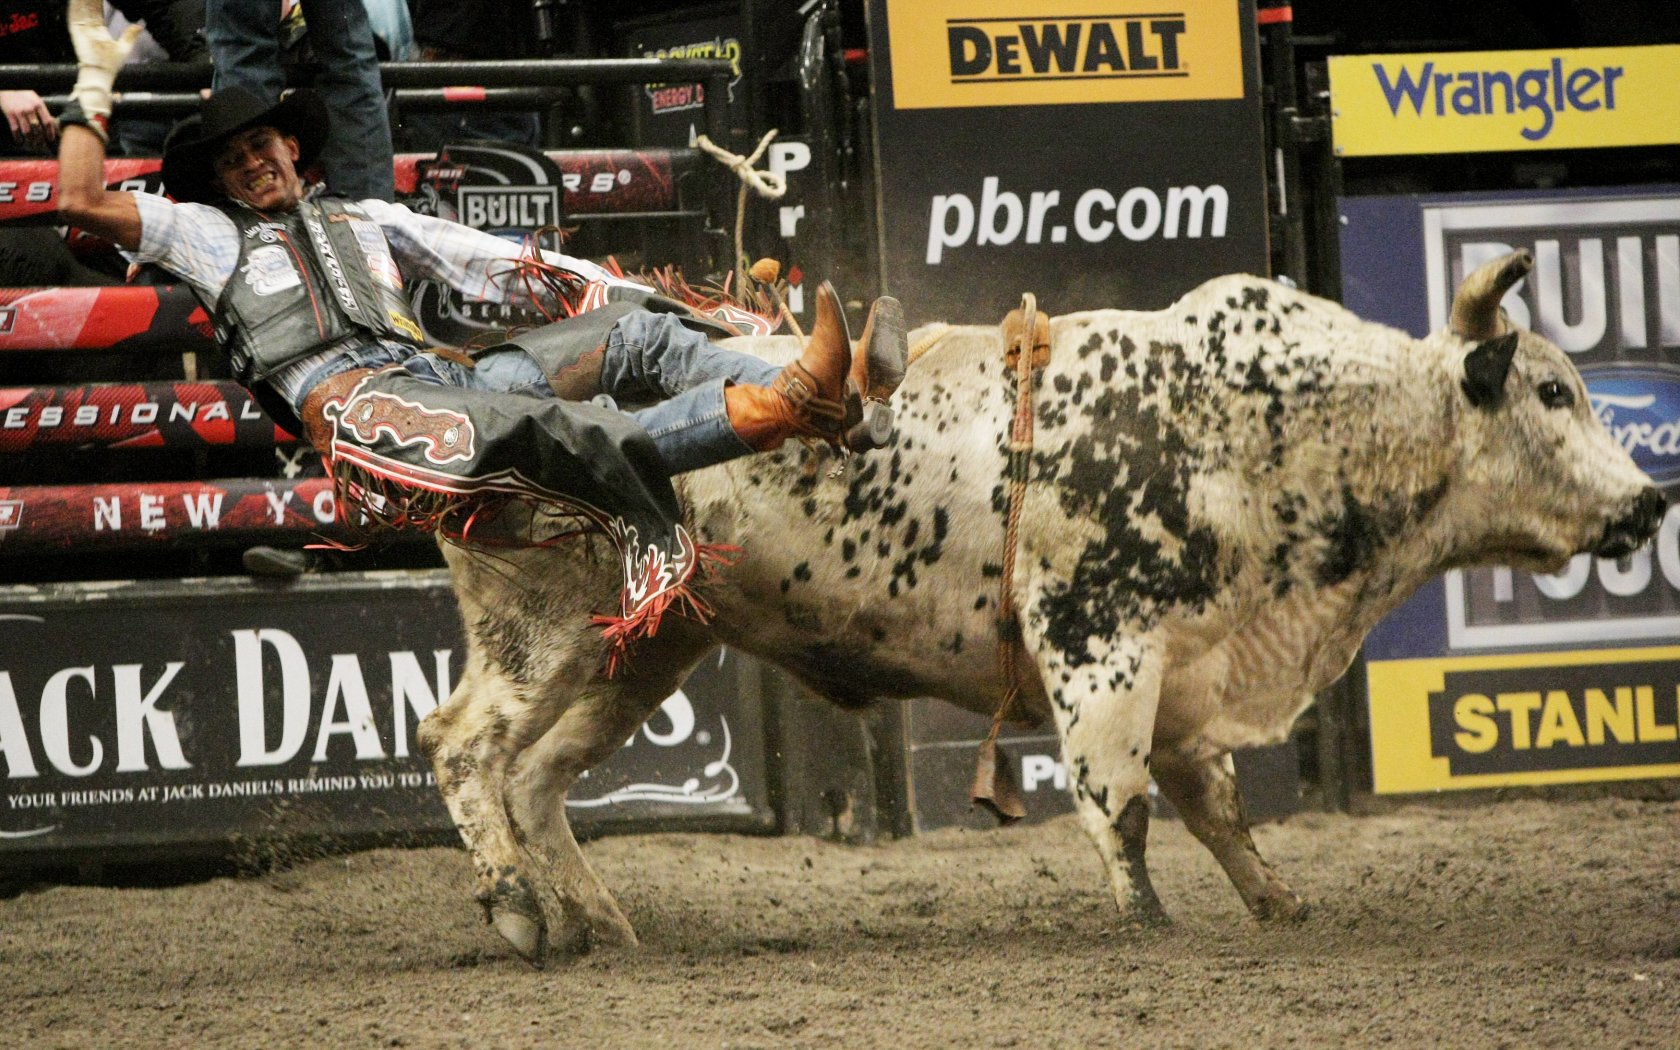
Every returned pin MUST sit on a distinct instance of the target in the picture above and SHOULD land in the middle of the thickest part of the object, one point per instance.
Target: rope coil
(767, 184)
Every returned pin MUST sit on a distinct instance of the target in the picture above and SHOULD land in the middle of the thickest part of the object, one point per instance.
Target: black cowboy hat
(189, 153)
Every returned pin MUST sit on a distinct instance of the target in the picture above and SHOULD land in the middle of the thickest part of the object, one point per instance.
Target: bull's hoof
(511, 907)
(1146, 913)
(595, 923)
(528, 935)
(1159, 920)
(613, 931)
(1280, 908)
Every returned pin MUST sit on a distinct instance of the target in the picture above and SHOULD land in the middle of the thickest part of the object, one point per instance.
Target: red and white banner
(135, 415)
(57, 518)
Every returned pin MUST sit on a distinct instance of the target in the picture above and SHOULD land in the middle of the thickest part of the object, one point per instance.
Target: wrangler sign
(1484, 101)
(956, 53)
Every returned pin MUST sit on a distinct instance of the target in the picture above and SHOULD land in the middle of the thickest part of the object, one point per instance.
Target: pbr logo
(508, 207)
(11, 514)
(492, 187)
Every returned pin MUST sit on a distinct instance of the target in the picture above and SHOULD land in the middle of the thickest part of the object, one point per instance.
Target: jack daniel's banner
(197, 712)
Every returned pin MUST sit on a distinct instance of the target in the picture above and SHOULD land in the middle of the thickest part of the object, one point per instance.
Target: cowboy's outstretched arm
(83, 199)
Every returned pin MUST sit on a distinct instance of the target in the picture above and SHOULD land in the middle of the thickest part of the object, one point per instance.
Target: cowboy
(306, 294)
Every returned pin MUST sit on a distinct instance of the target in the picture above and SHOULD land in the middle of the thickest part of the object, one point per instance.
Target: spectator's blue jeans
(245, 47)
(649, 357)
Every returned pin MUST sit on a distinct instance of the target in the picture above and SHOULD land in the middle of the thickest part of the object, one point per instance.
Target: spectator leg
(244, 40)
(357, 156)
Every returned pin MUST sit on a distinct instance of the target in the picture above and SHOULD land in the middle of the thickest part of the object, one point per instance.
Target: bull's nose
(1648, 510)
(1635, 528)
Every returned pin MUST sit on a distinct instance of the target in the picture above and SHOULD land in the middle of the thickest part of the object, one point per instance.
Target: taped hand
(100, 55)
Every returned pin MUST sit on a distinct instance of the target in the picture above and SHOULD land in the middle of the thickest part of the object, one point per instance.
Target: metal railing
(713, 73)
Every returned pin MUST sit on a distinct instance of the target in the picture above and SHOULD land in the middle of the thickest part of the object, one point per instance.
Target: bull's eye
(1554, 394)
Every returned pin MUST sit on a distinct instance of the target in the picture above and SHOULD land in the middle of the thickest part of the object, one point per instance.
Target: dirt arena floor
(1520, 924)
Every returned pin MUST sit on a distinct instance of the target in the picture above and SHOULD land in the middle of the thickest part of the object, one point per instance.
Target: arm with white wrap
(83, 199)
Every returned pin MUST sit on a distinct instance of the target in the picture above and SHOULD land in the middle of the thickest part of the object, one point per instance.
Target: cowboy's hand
(99, 54)
(28, 117)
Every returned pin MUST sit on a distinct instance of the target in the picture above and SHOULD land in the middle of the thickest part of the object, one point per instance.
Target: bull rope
(767, 184)
(926, 343)
(994, 786)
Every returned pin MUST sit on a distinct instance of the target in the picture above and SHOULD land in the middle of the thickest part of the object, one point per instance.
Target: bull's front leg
(472, 740)
(601, 715)
(592, 729)
(1204, 791)
(1104, 699)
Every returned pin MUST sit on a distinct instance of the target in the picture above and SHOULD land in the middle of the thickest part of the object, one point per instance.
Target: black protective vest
(306, 279)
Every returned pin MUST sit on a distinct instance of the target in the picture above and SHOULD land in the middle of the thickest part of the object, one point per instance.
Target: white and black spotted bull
(1225, 497)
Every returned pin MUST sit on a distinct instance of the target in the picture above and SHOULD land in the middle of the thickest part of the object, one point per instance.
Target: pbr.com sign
(1115, 146)
(161, 714)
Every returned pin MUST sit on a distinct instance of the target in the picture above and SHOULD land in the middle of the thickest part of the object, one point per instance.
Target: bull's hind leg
(601, 717)
(1105, 714)
(1204, 791)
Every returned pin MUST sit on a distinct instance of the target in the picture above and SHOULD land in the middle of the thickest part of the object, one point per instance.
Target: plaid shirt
(200, 245)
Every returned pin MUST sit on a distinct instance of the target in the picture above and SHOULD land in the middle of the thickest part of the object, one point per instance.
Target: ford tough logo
(1640, 405)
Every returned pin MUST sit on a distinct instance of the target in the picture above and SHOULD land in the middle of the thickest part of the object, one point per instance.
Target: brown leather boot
(878, 364)
(879, 358)
(807, 398)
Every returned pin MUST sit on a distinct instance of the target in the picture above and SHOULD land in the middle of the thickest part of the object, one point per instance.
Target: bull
(1224, 498)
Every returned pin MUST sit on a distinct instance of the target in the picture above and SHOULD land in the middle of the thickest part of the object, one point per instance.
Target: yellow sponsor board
(1534, 718)
(1489, 101)
(948, 54)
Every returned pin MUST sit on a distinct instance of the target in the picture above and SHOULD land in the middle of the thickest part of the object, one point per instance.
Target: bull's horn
(1475, 311)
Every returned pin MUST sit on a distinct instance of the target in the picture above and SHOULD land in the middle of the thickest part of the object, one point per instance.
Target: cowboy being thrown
(306, 294)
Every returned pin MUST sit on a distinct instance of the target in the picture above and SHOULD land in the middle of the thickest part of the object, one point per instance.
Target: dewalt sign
(1536, 718)
(1490, 101)
(949, 54)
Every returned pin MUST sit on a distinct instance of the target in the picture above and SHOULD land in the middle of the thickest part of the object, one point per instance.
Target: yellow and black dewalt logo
(1065, 48)
(956, 53)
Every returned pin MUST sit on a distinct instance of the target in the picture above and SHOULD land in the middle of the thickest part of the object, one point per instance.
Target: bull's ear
(1485, 369)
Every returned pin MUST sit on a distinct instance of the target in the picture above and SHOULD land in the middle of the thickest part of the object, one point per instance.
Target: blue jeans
(245, 47)
(649, 357)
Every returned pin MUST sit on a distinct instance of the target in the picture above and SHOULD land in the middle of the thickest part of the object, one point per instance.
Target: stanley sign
(954, 53)
(1534, 718)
